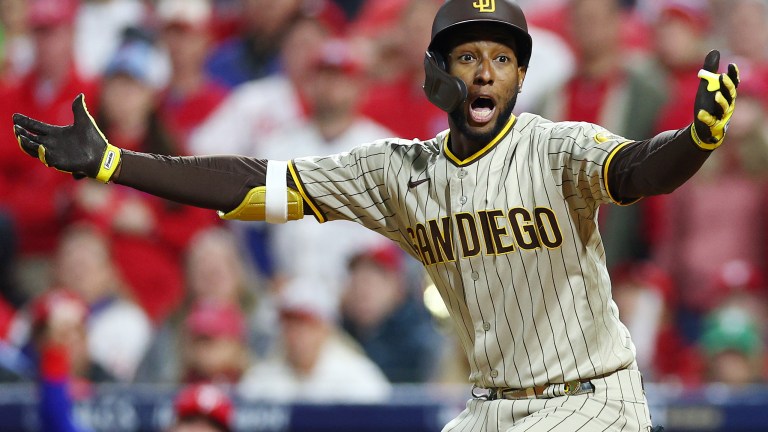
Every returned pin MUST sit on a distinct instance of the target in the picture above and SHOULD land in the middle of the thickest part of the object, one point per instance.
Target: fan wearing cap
(59, 345)
(191, 95)
(214, 345)
(202, 408)
(333, 124)
(45, 90)
(316, 362)
(382, 313)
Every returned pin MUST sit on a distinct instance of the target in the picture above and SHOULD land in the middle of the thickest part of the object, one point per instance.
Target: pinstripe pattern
(510, 238)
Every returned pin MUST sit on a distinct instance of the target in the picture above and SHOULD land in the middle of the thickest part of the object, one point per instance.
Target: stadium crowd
(106, 284)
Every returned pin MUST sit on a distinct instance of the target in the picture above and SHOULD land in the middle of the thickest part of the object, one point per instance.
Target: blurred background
(115, 306)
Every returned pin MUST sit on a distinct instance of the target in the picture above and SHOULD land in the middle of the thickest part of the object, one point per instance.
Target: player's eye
(503, 59)
(466, 58)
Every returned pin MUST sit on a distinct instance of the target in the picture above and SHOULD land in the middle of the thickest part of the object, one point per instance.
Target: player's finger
(706, 118)
(35, 126)
(30, 147)
(80, 111)
(733, 74)
(712, 61)
(730, 85)
(720, 100)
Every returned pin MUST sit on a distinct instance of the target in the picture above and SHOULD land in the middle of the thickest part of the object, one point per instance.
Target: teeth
(481, 115)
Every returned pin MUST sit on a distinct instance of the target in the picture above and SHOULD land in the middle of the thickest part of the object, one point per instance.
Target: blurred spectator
(99, 30)
(191, 94)
(680, 30)
(214, 344)
(679, 38)
(151, 233)
(746, 32)
(254, 52)
(388, 320)
(202, 408)
(246, 119)
(609, 89)
(397, 100)
(731, 186)
(18, 51)
(118, 330)
(248, 115)
(646, 297)
(36, 200)
(320, 363)
(334, 125)
(215, 273)
(743, 285)
(64, 370)
(734, 347)
(58, 321)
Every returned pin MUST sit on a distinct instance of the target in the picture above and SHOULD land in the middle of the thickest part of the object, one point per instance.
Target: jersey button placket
(486, 326)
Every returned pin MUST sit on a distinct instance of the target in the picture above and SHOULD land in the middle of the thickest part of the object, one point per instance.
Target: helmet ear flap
(442, 89)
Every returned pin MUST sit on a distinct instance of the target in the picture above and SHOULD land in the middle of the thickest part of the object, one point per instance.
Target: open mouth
(481, 110)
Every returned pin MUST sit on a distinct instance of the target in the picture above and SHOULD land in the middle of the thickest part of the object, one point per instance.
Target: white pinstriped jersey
(508, 235)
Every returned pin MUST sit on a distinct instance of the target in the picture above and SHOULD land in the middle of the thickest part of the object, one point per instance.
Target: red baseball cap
(338, 54)
(205, 400)
(216, 320)
(387, 256)
(57, 301)
(51, 13)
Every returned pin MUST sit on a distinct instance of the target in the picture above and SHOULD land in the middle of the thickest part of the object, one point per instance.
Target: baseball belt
(570, 388)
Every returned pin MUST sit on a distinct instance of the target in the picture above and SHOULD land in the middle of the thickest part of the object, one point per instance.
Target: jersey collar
(480, 153)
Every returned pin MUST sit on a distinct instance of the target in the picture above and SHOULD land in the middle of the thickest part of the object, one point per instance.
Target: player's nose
(484, 72)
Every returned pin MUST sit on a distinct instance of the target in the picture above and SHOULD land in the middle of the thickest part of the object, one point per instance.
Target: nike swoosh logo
(413, 183)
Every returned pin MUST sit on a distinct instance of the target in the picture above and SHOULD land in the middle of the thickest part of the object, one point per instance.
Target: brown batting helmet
(444, 90)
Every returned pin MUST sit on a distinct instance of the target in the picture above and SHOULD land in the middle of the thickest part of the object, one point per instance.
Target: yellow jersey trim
(605, 175)
(482, 151)
(300, 186)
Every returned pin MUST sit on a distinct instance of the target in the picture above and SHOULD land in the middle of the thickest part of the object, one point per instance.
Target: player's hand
(714, 104)
(80, 148)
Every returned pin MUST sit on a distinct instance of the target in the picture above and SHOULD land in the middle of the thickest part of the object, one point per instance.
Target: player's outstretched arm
(233, 185)
(663, 163)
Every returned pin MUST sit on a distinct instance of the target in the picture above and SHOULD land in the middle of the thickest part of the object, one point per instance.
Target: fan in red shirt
(37, 198)
(191, 95)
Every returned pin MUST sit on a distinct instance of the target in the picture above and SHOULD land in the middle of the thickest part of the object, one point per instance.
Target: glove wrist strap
(702, 144)
(109, 163)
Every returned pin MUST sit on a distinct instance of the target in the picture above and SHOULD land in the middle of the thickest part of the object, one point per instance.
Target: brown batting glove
(80, 148)
(715, 101)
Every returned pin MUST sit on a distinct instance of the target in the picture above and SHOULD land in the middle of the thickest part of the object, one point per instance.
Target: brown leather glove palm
(80, 148)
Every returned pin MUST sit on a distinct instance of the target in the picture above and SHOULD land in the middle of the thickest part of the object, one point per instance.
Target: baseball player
(501, 210)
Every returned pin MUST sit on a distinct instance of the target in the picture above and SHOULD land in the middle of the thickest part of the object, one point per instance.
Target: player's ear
(521, 71)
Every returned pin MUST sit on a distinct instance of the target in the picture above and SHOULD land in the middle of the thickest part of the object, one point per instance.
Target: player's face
(490, 70)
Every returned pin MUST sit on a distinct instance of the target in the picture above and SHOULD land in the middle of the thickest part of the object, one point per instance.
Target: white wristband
(276, 199)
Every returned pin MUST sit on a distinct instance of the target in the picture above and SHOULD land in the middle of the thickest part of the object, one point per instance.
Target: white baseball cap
(193, 13)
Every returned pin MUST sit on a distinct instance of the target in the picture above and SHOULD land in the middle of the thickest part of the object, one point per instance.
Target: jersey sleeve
(347, 186)
(580, 154)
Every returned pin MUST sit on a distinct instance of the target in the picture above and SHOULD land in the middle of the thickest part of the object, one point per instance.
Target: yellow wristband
(701, 144)
(109, 163)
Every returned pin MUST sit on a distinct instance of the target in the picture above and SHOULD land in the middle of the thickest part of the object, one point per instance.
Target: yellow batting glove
(715, 102)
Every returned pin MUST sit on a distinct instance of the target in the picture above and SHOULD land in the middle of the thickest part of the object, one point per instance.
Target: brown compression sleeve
(655, 166)
(214, 182)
